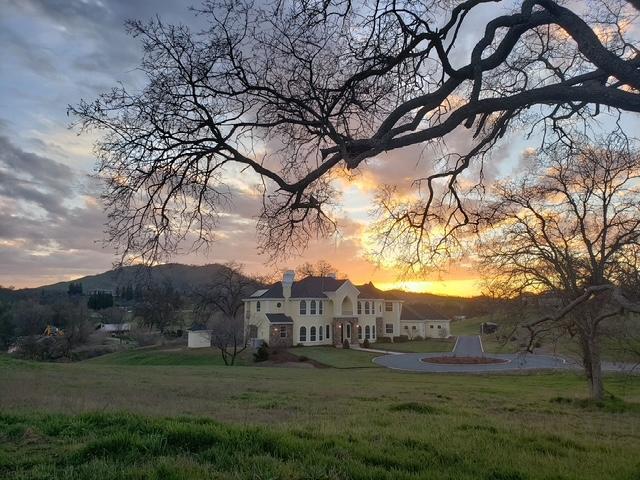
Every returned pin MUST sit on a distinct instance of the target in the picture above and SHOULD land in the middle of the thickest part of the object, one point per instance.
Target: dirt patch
(283, 358)
(464, 360)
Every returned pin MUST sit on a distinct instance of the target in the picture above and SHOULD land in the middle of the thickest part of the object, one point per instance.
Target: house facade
(324, 311)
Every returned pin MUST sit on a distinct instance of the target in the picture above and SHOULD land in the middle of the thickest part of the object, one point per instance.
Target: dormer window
(303, 307)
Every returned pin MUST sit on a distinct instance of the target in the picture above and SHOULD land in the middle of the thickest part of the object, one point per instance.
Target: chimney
(287, 281)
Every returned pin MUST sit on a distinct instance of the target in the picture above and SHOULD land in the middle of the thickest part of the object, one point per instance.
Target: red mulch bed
(463, 360)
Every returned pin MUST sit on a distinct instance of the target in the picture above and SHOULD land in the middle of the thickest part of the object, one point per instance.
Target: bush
(302, 358)
(417, 338)
(345, 344)
(366, 343)
(401, 339)
(383, 340)
(262, 354)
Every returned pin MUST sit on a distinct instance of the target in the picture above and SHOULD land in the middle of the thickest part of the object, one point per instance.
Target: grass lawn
(169, 356)
(429, 345)
(89, 420)
(337, 357)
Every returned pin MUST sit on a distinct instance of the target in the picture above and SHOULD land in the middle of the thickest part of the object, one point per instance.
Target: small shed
(199, 337)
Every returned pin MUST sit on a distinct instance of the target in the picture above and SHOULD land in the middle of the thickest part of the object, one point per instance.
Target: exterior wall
(199, 339)
(425, 328)
(392, 318)
(275, 340)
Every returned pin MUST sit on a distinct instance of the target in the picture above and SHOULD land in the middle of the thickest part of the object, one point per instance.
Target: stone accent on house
(275, 335)
(340, 329)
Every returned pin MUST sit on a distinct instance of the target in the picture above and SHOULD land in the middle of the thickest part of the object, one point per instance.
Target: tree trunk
(593, 366)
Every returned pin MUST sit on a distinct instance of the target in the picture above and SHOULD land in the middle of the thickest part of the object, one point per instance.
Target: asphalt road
(468, 346)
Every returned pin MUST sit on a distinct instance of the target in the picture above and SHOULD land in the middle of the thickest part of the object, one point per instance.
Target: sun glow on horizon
(455, 288)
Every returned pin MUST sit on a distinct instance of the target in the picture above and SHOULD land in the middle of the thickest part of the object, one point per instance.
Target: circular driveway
(412, 362)
(470, 346)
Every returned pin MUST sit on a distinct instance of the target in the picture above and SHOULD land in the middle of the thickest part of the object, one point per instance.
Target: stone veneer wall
(275, 340)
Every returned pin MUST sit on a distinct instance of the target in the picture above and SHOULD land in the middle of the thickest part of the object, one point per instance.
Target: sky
(56, 52)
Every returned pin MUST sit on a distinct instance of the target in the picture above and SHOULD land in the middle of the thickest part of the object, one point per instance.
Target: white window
(320, 334)
(283, 331)
(303, 334)
(388, 306)
(388, 328)
(359, 308)
(258, 306)
(312, 307)
(320, 307)
(366, 308)
(312, 335)
(367, 332)
(328, 334)
(303, 307)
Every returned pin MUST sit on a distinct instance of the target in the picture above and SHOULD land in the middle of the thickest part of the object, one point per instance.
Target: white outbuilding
(199, 337)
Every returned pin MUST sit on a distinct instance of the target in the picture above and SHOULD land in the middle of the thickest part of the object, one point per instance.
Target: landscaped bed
(450, 360)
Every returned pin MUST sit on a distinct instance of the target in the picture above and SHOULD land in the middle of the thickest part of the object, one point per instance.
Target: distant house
(330, 311)
(115, 327)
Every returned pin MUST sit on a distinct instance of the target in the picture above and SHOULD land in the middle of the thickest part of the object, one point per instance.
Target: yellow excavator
(52, 331)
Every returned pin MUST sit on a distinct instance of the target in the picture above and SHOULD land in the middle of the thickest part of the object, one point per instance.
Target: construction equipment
(52, 331)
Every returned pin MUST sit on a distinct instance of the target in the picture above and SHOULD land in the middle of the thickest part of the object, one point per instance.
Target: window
(388, 328)
(430, 326)
(283, 331)
(320, 334)
(312, 335)
(373, 332)
(366, 308)
(439, 326)
(303, 334)
(414, 327)
(348, 330)
(278, 305)
(312, 307)
(257, 306)
(328, 334)
(303, 307)
(320, 307)
(367, 332)
(406, 327)
(359, 332)
(379, 308)
(359, 308)
(388, 306)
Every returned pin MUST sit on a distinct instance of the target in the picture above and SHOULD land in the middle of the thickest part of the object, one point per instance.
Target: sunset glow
(456, 288)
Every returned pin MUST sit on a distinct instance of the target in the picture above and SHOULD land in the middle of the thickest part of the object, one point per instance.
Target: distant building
(330, 311)
(115, 327)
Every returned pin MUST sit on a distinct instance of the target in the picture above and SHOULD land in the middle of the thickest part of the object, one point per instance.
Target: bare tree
(159, 306)
(220, 305)
(303, 92)
(322, 268)
(570, 228)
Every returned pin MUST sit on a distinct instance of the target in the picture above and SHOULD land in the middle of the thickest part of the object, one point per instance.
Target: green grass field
(337, 357)
(168, 356)
(101, 420)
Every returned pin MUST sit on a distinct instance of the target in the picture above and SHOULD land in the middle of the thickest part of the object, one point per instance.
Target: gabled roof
(369, 290)
(278, 318)
(309, 287)
(420, 311)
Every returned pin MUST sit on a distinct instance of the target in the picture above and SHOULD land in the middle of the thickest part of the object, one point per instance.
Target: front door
(349, 332)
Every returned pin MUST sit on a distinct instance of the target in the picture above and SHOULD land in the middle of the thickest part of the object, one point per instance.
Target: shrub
(401, 339)
(302, 358)
(383, 340)
(366, 343)
(345, 344)
(417, 338)
(262, 353)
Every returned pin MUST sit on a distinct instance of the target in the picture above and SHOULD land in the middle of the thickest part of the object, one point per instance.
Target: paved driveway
(470, 346)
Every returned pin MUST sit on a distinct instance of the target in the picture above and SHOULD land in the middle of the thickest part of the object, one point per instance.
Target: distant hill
(183, 277)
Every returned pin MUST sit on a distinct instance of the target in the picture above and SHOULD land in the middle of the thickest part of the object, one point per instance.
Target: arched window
(312, 334)
(366, 308)
(303, 307)
(359, 308)
(258, 306)
(320, 333)
(359, 332)
(320, 307)
(303, 334)
(367, 332)
(312, 307)
(328, 333)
